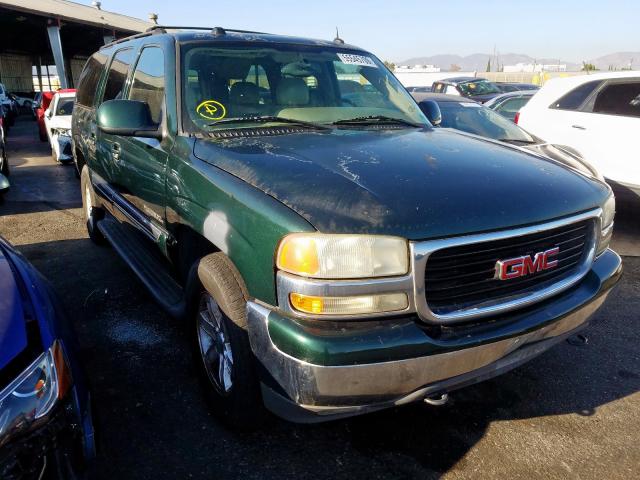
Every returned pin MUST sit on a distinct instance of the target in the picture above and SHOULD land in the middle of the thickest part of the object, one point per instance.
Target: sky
(570, 30)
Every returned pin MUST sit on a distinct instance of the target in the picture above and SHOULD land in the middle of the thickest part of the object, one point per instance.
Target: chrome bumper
(305, 392)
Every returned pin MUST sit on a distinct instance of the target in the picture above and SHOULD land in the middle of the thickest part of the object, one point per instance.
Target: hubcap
(215, 348)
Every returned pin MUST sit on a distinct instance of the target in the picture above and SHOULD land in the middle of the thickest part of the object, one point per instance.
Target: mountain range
(478, 61)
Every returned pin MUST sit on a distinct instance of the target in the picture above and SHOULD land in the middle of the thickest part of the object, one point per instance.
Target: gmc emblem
(523, 266)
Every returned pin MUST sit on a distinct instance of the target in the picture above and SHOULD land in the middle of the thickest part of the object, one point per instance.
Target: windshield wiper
(515, 140)
(377, 120)
(268, 119)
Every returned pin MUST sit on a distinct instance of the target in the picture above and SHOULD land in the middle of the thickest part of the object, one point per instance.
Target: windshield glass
(481, 87)
(479, 120)
(317, 84)
(65, 106)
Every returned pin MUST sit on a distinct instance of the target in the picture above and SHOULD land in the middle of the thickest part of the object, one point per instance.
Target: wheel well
(79, 159)
(190, 246)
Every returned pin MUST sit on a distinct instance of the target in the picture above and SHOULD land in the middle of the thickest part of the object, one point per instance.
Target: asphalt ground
(573, 412)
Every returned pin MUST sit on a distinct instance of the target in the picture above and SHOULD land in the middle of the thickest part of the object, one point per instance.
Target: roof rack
(173, 27)
(130, 37)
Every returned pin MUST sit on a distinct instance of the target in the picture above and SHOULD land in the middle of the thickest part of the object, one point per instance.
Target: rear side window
(438, 87)
(89, 78)
(114, 87)
(512, 105)
(148, 81)
(576, 97)
(619, 99)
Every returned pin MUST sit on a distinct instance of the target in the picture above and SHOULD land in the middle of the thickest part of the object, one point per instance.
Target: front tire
(227, 364)
(92, 212)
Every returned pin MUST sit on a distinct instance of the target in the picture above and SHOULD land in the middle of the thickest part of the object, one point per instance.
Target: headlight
(352, 305)
(326, 256)
(34, 393)
(63, 132)
(608, 214)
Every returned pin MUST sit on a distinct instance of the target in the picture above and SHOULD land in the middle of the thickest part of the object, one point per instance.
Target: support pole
(56, 49)
(39, 72)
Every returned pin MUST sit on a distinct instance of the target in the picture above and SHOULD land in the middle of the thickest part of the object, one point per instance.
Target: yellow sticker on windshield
(211, 110)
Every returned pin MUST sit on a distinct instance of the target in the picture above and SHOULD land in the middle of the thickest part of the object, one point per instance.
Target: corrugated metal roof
(77, 13)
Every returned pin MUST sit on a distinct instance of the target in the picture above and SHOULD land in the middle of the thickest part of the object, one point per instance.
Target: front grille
(463, 277)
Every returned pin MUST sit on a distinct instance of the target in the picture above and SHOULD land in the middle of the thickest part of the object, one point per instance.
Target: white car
(57, 121)
(597, 115)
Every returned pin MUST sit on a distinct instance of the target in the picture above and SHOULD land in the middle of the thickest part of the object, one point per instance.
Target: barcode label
(361, 60)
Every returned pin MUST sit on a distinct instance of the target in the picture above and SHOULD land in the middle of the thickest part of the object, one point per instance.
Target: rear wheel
(222, 344)
(92, 212)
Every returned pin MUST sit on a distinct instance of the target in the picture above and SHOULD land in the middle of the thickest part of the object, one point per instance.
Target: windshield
(307, 83)
(479, 120)
(65, 106)
(481, 87)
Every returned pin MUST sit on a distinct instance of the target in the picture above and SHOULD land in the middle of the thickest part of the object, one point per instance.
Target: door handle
(115, 151)
(578, 127)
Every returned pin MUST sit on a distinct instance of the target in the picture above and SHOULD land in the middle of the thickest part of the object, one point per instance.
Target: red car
(44, 104)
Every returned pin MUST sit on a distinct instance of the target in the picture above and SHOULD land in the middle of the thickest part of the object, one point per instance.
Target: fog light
(387, 302)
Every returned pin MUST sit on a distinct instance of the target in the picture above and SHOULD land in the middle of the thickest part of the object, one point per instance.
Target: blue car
(46, 430)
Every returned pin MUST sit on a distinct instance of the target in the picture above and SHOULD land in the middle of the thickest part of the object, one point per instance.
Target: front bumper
(52, 444)
(313, 371)
(62, 148)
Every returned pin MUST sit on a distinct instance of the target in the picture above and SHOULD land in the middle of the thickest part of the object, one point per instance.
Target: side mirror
(432, 111)
(128, 118)
(4, 184)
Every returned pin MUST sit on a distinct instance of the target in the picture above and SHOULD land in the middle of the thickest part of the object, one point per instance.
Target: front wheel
(222, 344)
(92, 212)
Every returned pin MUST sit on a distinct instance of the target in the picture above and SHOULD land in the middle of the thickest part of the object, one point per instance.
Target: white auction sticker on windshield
(470, 105)
(362, 60)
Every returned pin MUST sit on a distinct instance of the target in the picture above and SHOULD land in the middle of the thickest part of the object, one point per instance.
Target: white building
(418, 68)
(534, 68)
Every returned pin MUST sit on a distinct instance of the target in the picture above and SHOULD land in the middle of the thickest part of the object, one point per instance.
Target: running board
(150, 268)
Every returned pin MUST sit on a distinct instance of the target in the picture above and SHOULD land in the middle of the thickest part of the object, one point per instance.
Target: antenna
(338, 40)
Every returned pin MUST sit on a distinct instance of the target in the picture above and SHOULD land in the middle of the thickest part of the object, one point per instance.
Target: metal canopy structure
(60, 32)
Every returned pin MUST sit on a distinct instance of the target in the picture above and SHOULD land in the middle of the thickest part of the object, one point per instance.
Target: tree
(390, 65)
(489, 65)
(454, 67)
(588, 67)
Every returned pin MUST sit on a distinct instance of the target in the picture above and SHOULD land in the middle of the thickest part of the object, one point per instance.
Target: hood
(484, 98)
(568, 156)
(60, 121)
(417, 184)
(13, 333)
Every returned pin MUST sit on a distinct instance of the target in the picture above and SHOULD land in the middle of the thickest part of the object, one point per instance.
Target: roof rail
(173, 27)
(130, 37)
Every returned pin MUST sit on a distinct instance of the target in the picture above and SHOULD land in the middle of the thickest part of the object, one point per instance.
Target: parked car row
(593, 116)
(597, 115)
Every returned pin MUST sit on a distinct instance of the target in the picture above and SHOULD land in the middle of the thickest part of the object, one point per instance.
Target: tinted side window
(576, 97)
(89, 78)
(512, 104)
(114, 87)
(438, 87)
(619, 99)
(148, 81)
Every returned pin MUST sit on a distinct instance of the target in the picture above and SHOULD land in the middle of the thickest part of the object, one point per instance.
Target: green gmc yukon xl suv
(331, 252)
